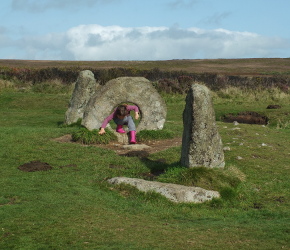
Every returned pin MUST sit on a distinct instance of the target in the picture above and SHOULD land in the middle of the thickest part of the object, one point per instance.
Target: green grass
(85, 136)
(146, 135)
(75, 208)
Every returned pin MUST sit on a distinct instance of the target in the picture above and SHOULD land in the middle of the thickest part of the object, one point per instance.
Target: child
(121, 116)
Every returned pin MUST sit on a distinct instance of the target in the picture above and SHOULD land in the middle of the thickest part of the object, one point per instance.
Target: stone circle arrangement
(201, 142)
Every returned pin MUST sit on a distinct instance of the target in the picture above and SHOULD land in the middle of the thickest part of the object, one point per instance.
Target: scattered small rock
(239, 158)
(227, 149)
(136, 147)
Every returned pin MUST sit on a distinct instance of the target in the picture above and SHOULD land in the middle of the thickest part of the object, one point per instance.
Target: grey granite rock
(201, 142)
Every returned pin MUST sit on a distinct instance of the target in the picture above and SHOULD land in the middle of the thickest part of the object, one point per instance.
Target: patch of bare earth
(34, 166)
(152, 146)
(248, 117)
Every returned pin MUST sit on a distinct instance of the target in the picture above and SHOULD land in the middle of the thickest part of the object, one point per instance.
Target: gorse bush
(85, 136)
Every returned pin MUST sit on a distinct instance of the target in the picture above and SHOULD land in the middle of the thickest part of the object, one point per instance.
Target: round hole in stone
(132, 113)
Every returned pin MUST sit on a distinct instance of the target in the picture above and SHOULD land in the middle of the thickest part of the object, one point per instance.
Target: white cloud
(95, 42)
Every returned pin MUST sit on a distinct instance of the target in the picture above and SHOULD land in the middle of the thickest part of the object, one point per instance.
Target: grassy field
(75, 208)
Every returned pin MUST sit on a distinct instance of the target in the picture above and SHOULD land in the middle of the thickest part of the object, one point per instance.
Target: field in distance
(246, 67)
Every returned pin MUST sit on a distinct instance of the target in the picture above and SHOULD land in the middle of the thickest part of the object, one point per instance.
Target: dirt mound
(34, 166)
(248, 117)
(274, 106)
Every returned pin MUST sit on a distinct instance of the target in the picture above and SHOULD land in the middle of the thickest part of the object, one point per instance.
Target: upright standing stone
(85, 87)
(201, 142)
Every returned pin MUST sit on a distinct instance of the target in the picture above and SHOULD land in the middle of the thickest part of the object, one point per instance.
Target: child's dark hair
(122, 110)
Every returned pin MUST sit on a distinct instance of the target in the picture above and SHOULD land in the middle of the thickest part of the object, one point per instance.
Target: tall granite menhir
(201, 142)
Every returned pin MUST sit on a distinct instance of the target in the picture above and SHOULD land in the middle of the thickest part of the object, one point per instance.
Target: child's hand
(136, 115)
(102, 131)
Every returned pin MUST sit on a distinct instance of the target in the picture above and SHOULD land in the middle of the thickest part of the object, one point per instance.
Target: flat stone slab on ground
(173, 192)
(135, 146)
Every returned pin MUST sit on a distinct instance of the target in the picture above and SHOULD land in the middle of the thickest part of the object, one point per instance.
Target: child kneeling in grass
(121, 116)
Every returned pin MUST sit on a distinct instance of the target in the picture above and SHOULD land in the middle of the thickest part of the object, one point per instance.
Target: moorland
(70, 205)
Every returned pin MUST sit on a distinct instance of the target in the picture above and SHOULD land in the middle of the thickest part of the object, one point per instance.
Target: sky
(94, 30)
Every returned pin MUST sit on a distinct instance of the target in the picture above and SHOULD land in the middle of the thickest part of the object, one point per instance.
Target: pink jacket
(111, 116)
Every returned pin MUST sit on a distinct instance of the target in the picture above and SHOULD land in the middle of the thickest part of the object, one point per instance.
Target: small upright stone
(201, 142)
(85, 87)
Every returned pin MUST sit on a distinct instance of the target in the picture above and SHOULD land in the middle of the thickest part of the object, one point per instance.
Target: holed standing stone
(201, 142)
(135, 90)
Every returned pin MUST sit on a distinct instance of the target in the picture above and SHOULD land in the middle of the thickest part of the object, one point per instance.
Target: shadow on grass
(156, 167)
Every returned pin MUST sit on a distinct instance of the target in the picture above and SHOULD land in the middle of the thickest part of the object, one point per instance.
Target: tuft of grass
(146, 135)
(214, 179)
(283, 123)
(228, 193)
(85, 136)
